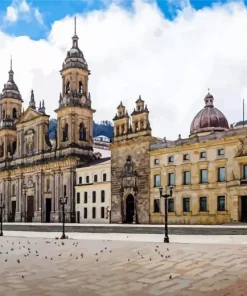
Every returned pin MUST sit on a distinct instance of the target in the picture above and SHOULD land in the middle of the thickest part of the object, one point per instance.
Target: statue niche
(129, 167)
(82, 133)
(29, 139)
(65, 132)
(242, 147)
(67, 88)
(80, 87)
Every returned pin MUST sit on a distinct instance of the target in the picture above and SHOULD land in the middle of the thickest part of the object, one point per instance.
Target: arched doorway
(130, 208)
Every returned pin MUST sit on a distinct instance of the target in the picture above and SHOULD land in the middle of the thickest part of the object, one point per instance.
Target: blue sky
(52, 10)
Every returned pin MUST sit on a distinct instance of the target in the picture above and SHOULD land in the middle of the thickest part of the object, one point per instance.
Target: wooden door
(30, 209)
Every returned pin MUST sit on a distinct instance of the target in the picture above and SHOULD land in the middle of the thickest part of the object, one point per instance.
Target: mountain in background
(104, 128)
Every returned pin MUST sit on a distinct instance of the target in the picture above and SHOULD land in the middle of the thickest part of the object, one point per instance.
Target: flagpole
(243, 112)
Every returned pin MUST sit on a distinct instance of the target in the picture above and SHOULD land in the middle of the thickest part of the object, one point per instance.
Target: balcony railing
(7, 123)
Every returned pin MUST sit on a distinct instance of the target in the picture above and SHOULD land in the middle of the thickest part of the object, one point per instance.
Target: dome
(75, 57)
(209, 118)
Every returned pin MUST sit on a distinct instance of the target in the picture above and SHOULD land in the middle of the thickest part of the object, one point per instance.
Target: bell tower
(74, 114)
(10, 111)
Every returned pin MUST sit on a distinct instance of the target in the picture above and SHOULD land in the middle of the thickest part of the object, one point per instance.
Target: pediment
(29, 114)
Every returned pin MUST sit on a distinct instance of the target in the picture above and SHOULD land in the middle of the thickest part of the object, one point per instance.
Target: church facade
(34, 171)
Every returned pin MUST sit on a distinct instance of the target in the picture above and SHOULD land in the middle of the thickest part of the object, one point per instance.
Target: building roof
(95, 162)
(209, 118)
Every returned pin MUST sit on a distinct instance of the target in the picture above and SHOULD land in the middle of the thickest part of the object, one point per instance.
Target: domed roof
(75, 57)
(209, 118)
(10, 89)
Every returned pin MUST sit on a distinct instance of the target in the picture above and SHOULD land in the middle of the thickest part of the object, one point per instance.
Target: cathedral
(35, 171)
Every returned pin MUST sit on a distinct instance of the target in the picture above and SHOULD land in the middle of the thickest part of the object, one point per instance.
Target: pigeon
(101, 251)
(161, 255)
(97, 259)
(157, 246)
(110, 251)
(155, 250)
(45, 257)
(128, 260)
(6, 260)
(96, 254)
(150, 259)
(18, 261)
(59, 255)
(138, 253)
(76, 258)
(167, 249)
(70, 254)
(62, 243)
(105, 248)
(51, 258)
(170, 277)
(6, 252)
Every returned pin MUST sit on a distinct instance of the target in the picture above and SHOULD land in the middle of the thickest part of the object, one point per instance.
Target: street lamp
(2, 206)
(166, 195)
(63, 202)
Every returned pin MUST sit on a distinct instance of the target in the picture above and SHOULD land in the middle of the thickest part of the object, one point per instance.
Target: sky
(168, 51)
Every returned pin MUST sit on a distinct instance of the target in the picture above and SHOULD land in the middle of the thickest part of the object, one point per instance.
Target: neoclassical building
(130, 165)
(35, 172)
(208, 171)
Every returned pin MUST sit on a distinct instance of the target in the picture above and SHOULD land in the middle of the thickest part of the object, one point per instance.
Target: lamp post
(166, 195)
(63, 202)
(2, 206)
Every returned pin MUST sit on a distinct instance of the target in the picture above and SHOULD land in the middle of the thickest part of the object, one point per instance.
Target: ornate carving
(242, 147)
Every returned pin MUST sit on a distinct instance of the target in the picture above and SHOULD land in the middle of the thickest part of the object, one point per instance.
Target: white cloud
(171, 64)
(21, 9)
(38, 16)
(11, 14)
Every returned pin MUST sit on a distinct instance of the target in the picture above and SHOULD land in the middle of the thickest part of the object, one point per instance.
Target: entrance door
(130, 208)
(13, 205)
(48, 210)
(30, 210)
(244, 208)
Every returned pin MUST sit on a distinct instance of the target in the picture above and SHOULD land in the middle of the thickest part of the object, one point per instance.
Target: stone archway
(130, 209)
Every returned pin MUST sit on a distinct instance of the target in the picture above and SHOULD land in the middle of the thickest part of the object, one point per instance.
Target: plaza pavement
(46, 266)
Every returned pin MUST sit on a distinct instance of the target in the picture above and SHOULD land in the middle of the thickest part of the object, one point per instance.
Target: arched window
(80, 180)
(122, 127)
(95, 178)
(87, 179)
(82, 133)
(136, 127)
(13, 190)
(3, 114)
(80, 87)
(117, 131)
(65, 132)
(48, 185)
(104, 177)
(14, 113)
(142, 124)
(64, 190)
(2, 149)
(14, 147)
(67, 89)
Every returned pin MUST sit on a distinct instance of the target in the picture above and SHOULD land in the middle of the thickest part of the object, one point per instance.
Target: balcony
(243, 182)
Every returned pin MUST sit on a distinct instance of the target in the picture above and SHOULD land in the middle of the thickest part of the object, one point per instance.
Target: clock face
(84, 100)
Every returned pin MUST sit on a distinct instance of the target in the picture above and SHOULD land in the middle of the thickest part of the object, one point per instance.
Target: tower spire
(32, 101)
(11, 73)
(75, 24)
(75, 37)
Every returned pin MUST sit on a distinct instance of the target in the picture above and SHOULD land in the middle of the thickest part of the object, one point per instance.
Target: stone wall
(138, 150)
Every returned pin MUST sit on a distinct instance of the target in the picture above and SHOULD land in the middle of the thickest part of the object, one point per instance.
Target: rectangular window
(78, 197)
(186, 177)
(245, 171)
(186, 204)
(170, 205)
(94, 196)
(203, 204)
(85, 213)
(80, 180)
(104, 177)
(156, 206)
(186, 157)
(95, 178)
(102, 195)
(221, 174)
(221, 203)
(156, 180)
(170, 158)
(85, 197)
(93, 212)
(203, 154)
(156, 161)
(87, 179)
(221, 152)
(102, 212)
(64, 190)
(171, 179)
(203, 176)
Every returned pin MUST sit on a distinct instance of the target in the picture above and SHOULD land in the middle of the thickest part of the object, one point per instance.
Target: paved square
(36, 266)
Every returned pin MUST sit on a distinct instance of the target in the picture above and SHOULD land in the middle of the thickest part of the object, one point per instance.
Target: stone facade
(209, 174)
(34, 171)
(130, 165)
